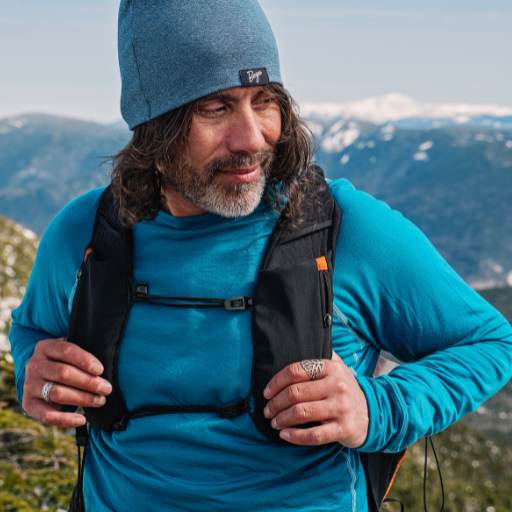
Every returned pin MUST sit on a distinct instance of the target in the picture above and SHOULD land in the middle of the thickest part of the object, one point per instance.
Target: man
(217, 155)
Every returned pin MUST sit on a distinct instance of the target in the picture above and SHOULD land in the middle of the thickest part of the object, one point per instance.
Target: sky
(60, 56)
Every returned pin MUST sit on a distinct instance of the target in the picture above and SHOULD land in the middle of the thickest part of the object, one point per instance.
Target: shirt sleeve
(43, 312)
(401, 296)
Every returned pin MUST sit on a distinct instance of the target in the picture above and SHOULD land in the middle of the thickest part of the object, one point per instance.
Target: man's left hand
(335, 399)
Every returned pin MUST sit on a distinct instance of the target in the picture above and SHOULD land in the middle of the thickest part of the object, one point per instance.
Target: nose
(246, 134)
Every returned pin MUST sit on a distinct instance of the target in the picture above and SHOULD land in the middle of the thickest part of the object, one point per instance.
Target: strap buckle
(237, 303)
(234, 409)
(81, 436)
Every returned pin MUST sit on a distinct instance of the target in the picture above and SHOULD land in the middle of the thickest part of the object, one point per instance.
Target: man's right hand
(77, 382)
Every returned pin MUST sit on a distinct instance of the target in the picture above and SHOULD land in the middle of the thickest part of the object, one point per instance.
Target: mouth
(242, 174)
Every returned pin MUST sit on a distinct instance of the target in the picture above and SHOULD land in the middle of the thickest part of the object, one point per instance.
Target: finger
(41, 411)
(73, 377)
(59, 350)
(324, 434)
(69, 396)
(304, 413)
(292, 374)
(295, 394)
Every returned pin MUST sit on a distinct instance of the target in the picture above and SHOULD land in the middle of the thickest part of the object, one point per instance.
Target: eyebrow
(222, 95)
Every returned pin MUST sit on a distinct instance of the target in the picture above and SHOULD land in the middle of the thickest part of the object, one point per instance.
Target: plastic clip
(232, 410)
(237, 303)
(81, 436)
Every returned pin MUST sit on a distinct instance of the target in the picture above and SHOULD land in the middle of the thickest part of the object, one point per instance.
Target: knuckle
(301, 412)
(294, 393)
(340, 386)
(63, 373)
(296, 370)
(29, 368)
(91, 383)
(66, 350)
(316, 437)
(40, 346)
(57, 395)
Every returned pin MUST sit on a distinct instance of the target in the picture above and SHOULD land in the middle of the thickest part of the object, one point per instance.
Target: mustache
(263, 157)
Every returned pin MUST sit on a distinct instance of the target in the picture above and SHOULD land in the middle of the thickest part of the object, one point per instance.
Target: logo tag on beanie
(254, 76)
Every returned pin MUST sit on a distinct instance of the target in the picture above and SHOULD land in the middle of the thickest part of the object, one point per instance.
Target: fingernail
(99, 400)
(266, 393)
(104, 388)
(96, 368)
(78, 421)
(284, 435)
(266, 412)
(274, 423)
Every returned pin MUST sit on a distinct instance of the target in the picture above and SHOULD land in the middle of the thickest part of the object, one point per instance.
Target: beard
(228, 199)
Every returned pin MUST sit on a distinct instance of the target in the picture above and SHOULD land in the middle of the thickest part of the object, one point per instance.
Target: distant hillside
(454, 183)
(47, 161)
(448, 168)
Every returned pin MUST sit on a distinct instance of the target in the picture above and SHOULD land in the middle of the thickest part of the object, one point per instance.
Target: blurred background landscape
(412, 104)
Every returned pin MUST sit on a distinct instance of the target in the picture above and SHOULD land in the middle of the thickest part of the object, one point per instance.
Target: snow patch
(340, 140)
(389, 128)
(509, 144)
(462, 119)
(426, 145)
(420, 156)
(344, 159)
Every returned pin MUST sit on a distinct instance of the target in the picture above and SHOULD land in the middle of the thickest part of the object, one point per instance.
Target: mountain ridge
(452, 181)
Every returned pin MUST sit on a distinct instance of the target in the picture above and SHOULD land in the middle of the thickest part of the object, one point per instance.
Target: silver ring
(45, 392)
(313, 367)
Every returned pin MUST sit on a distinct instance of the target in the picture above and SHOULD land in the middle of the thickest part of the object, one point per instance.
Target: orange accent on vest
(322, 263)
(394, 474)
(89, 251)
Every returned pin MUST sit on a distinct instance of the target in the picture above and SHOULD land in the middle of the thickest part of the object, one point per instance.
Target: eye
(264, 101)
(212, 109)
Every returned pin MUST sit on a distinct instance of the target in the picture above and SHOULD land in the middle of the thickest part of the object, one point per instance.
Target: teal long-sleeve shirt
(392, 291)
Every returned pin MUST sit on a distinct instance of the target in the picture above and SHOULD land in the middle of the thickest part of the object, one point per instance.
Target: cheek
(203, 141)
(272, 127)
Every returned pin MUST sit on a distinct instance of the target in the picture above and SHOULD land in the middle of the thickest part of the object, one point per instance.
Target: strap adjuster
(234, 409)
(237, 303)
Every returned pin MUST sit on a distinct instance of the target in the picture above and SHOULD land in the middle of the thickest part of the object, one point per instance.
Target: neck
(179, 206)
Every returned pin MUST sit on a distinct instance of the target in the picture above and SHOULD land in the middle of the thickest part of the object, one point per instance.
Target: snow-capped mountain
(404, 111)
(448, 168)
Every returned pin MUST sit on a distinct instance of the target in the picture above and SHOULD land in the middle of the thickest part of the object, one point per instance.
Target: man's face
(227, 155)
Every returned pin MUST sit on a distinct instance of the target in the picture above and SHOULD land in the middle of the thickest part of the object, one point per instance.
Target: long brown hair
(157, 144)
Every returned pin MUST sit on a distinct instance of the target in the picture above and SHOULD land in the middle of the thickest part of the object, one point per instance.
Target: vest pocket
(289, 315)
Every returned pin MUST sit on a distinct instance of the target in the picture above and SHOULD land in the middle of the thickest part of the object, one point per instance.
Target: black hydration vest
(291, 307)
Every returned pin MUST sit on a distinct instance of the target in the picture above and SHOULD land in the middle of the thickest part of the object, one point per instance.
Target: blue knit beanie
(172, 52)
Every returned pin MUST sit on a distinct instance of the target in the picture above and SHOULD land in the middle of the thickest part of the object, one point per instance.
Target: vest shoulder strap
(315, 236)
(110, 240)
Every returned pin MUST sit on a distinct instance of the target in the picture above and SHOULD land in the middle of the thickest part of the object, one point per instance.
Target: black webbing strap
(234, 304)
(224, 411)
(77, 499)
